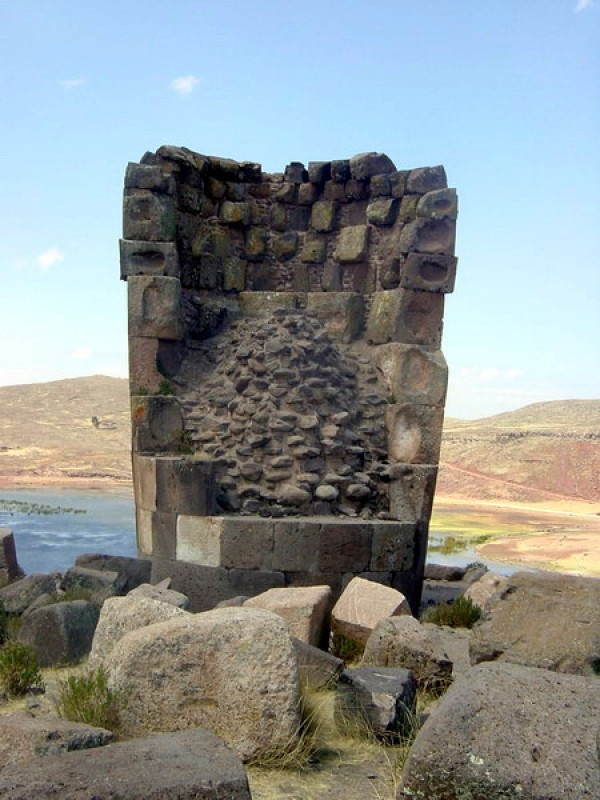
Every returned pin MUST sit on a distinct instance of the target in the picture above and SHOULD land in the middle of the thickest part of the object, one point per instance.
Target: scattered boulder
(121, 615)
(362, 605)
(99, 583)
(60, 633)
(187, 765)
(542, 619)
(24, 738)
(20, 595)
(382, 699)
(9, 566)
(506, 731)
(232, 670)
(304, 609)
(132, 571)
(163, 593)
(404, 642)
(483, 591)
(443, 572)
(317, 669)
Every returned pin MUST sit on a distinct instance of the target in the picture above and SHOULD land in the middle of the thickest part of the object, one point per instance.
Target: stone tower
(287, 382)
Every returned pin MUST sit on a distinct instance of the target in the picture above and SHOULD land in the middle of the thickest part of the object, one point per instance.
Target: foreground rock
(61, 633)
(231, 670)
(18, 596)
(303, 608)
(24, 738)
(542, 620)
(404, 642)
(121, 615)
(317, 669)
(189, 765)
(362, 605)
(9, 566)
(505, 732)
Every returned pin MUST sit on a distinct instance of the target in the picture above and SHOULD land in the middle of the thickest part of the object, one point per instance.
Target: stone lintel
(260, 304)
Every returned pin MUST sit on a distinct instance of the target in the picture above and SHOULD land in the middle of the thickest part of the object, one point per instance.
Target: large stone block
(411, 491)
(150, 177)
(149, 216)
(345, 546)
(362, 605)
(156, 533)
(393, 546)
(185, 485)
(296, 545)
(414, 432)
(148, 258)
(144, 375)
(231, 542)
(261, 304)
(542, 620)
(428, 236)
(157, 422)
(352, 244)
(412, 374)
(155, 307)
(364, 165)
(438, 204)
(382, 212)
(430, 273)
(231, 670)
(18, 596)
(187, 765)
(407, 316)
(144, 481)
(303, 608)
(322, 217)
(548, 747)
(60, 633)
(342, 313)
(132, 571)
(426, 179)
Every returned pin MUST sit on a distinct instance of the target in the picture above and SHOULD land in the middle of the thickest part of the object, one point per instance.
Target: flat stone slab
(188, 765)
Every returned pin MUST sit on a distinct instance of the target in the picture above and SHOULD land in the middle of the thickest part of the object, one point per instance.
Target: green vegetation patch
(88, 698)
(19, 669)
(460, 613)
(42, 509)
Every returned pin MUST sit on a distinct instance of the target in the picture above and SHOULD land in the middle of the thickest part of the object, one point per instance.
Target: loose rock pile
(297, 425)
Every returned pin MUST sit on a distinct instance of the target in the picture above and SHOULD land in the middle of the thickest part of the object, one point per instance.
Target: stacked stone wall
(285, 360)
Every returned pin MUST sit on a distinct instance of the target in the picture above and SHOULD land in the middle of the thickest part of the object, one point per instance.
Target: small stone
(358, 491)
(290, 495)
(308, 422)
(326, 492)
(251, 471)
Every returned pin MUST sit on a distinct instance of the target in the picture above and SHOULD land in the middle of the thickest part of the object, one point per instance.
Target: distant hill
(79, 428)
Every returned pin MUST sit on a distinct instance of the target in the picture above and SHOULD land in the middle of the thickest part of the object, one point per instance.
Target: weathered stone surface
(393, 546)
(185, 485)
(438, 204)
(148, 258)
(382, 212)
(19, 595)
(483, 591)
(322, 217)
(303, 608)
(319, 171)
(345, 546)
(132, 571)
(352, 244)
(232, 670)
(234, 274)
(260, 304)
(233, 542)
(256, 243)
(9, 566)
(121, 615)
(428, 236)
(151, 177)
(157, 423)
(414, 432)
(362, 605)
(411, 491)
(60, 633)
(547, 749)
(317, 668)
(314, 250)
(235, 213)
(100, 583)
(401, 641)
(429, 273)
(156, 533)
(381, 700)
(340, 170)
(162, 593)
(149, 216)
(342, 313)
(413, 374)
(25, 738)
(542, 620)
(144, 376)
(187, 765)
(364, 165)
(405, 315)
(285, 245)
(155, 307)
(426, 179)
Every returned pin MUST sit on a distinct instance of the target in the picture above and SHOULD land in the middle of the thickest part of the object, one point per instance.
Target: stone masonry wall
(285, 362)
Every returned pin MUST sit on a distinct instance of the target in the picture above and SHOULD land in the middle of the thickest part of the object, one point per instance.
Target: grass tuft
(19, 669)
(88, 698)
(460, 613)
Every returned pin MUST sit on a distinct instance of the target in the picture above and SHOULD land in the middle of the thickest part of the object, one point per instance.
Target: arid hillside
(71, 429)
(78, 429)
(542, 452)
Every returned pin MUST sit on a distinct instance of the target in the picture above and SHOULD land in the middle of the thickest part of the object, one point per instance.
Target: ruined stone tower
(286, 375)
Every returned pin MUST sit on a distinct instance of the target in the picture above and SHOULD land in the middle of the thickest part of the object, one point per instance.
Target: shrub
(349, 650)
(19, 668)
(3, 623)
(88, 698)
(460, 613)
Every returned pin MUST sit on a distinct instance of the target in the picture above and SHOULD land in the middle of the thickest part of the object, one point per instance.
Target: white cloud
(72, 83)
(185, 84)
(82, 353)
(50, 257)
(583, 4)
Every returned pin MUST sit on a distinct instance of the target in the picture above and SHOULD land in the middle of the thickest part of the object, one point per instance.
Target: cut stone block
(382, 212)
(428, 236)
(323, 216)
(362, 605)
(132, 571)
(144, 376)
(261, 304)
(150, 177)
(430, 273)
(414, 433)
(296, 545)
(232, 542)
(426, 179)
(364, 165)
(285, 245)
(438, 204)
(303, 608)
(235, 213)
(379, 700)
(159, 421)
(185, 485)
(149, 216)
(411, 491)
(9, 567)
(256, 243)
(314, 250)
(156, 533)
(161, 593)
(352, 244)
(345, 546)
(412, 374)
(393, 546)
(18, 596)
(342, 313)
(319, 171)
(189, 765)
(483, 591)
(234, 274)
(155, 307)
(144, 481)
(148, 258)
(407, 316)
(317, 668)
(101, 583)
(60, 633)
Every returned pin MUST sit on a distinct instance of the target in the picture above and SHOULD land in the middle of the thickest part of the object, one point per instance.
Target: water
(51, 541)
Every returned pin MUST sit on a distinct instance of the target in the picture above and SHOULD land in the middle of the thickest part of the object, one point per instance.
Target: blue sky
(504, 93)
